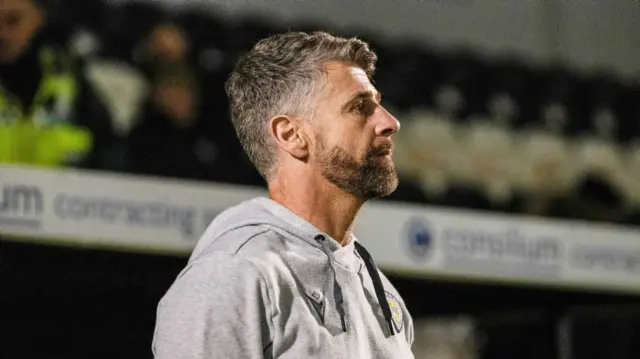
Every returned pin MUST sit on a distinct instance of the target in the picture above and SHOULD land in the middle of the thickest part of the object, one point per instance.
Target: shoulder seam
(264, 230)
(268, 309)
(267, 290)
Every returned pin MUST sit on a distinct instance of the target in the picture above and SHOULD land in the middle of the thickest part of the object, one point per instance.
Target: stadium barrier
(165, 216)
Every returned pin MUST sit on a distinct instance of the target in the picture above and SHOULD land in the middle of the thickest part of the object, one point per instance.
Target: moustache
(382, 149)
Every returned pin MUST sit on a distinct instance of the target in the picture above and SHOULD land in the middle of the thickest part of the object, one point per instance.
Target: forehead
(345, 80)
(15, 5)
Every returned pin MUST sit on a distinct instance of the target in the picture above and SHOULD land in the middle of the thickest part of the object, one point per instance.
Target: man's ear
(289, 136)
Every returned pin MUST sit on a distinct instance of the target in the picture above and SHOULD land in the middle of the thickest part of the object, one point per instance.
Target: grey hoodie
(264, 283)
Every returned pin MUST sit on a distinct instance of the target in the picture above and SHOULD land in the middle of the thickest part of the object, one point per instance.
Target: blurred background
(522, 109)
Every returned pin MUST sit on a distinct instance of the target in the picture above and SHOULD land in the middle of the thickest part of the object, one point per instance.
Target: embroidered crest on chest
(396, 311)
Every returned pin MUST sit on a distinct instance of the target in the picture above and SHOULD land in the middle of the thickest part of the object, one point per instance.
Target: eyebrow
(361, 96)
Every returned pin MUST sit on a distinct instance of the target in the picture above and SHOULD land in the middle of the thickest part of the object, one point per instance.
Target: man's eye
(363, 108)
(12, 20)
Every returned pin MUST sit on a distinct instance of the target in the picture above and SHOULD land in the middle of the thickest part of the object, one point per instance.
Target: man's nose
(387, 124)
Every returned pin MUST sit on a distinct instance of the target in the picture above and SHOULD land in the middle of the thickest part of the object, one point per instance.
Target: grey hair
(281, 75)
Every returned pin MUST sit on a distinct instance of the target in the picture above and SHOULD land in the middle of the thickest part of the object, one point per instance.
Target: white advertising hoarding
(168, 216)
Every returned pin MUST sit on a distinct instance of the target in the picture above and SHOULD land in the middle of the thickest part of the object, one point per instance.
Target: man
(49, 115)
(284, 277)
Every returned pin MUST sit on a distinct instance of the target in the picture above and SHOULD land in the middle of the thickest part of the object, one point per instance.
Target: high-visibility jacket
(44, 134)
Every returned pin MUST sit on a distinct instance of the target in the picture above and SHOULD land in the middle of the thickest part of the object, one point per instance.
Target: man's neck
(320, 203)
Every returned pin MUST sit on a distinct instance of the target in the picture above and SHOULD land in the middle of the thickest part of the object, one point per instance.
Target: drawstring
(339, 297)
(377, 284)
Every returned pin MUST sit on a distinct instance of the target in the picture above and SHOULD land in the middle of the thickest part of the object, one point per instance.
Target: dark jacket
(208, 150)
(21, 82)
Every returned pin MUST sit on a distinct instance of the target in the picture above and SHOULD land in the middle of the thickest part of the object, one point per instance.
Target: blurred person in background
(175, 139)
(165, 45)
(49, 115)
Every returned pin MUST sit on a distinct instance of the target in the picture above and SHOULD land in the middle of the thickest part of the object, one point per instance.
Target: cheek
(345, 134)
(358, 142)
(342, 140)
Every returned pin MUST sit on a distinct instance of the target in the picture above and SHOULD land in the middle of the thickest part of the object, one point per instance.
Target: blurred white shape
(84, 43)
(122, 88)
(490, 157)
(599, 155)
(555, 117)
(427, 146)
(605, 123)
(445, 339)
(449, 100)
(632, 174)
(503, 108)
(545, 163)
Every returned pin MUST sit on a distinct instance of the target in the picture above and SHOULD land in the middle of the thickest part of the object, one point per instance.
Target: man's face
(167, 44)
(353, 132)
(178, 102)
(20, 21)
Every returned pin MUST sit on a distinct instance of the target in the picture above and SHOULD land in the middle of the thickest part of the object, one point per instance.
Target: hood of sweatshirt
(265, 212)
(324, 300)
(268, 214)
